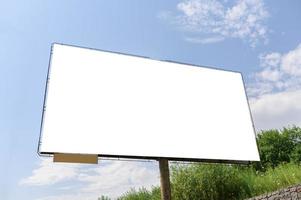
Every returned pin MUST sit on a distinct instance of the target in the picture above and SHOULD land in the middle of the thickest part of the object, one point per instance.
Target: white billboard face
(118, 105)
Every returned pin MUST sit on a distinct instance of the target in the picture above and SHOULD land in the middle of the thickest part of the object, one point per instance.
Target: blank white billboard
(117, 105)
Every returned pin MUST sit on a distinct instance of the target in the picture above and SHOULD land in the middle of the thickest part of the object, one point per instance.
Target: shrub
(142, 194)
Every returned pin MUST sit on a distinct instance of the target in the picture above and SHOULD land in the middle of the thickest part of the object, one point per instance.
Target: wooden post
(164, 178)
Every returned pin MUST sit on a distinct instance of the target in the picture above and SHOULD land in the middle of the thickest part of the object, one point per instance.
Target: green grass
(216, 181)
(273, 179)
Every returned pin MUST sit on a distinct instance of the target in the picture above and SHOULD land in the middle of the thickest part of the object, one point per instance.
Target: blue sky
(260, 38)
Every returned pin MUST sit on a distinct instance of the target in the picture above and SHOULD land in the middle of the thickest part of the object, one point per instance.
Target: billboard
(118, 105)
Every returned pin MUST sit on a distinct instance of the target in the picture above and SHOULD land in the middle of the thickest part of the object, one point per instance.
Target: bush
(277, 147)
(211, 181)
(217, 181)
(142, 194)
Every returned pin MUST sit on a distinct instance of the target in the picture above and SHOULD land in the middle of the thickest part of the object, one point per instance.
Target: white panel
(113, 104)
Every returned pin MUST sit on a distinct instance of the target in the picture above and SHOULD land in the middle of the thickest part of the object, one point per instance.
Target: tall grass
(199, 182)
(216, 181)
(273, 179)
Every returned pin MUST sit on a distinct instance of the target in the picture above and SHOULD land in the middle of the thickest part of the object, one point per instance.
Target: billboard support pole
(164, 179)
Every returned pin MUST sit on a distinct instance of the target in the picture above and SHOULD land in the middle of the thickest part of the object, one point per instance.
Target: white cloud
(269, 75)
(276, 90)
(204, 40)
(196, 12)
(291, 62)
(280, 72)
(49, 173)
(244, 20)
(277, 110)
(74, 196)
(111, 178)
(270, 60)
(119, 177)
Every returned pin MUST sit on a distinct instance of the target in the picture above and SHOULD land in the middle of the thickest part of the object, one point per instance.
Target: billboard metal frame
(126, 157)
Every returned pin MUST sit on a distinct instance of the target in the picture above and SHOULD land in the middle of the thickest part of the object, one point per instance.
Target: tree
(276, 147)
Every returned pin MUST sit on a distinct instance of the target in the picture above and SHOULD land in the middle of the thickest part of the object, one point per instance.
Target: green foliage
(296, 154)
(206, 182)
(273, 179)
(103, 198)
(276, 147)
(142, 194)
(216, 181)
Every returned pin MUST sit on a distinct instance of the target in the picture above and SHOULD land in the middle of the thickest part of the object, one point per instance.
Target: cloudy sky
(260, 38)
